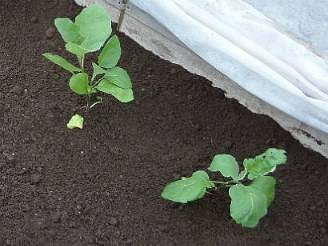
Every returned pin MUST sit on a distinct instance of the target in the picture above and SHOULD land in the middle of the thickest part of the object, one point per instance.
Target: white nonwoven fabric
(259, 44)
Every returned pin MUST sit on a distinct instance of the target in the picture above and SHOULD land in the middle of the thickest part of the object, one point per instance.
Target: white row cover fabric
(270, 48)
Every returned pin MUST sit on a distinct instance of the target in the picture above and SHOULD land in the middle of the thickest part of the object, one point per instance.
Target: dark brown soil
(102, 185)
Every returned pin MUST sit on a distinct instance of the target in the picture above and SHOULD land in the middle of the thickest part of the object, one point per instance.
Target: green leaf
(226, 165)
(75, 49)
(123, 95)
(258, 167)
(90, 31)
(275, 156)
(60, 61)
(97, 71)
(266, 184)
(119, 77)
(94, 24)
(187, 189)
(75, 122)
(68, 30)
(110, 54)
(265, 163)
(79, 83)
(205, 178)
(248, 205)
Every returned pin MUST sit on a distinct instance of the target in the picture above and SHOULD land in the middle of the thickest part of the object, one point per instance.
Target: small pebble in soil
(26, 208)
(306, 235)
(9, 156)
(322, 223)
(72, 224)
(35, 179)
(17, 90)
(41, 224)
(23, 171)
(56, 217)
(113, 221)
(164, 229)
(34, 19)
(317, 172)
(50, 33)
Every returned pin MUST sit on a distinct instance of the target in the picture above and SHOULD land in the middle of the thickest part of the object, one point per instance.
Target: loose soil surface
(102, 185)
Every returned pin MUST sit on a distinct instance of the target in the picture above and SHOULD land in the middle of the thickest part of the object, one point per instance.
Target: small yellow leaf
(75, 122)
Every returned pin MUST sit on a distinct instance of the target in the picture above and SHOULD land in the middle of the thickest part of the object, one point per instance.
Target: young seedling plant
(90, 32)
(251, 190)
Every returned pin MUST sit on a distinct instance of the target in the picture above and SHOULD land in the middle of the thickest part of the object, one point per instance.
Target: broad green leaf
(94, 24)
(97, 71)
(75, 122)
(79, 83)
(75, 49)
(258, 166)
(123, 95)
(275, 156)
(265, 163)
(187, 189)
(60, 61)
(110, 54)
(68, 30)
(119, 77)
(248, 205)
(226, 165)
(205, 178)
(266, 184)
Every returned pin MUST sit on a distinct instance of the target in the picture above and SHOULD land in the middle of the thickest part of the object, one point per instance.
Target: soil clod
(35, 179)
(50, 33)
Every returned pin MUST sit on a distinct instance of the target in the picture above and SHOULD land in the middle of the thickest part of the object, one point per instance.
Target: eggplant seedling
(90, 32)
(250, 201)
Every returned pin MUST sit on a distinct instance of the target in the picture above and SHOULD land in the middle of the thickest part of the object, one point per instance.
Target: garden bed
(101, 185)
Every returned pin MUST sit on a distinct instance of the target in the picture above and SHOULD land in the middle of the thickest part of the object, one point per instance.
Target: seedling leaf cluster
(250, 201)
(90, 32)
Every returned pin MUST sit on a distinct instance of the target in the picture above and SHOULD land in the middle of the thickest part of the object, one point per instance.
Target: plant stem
(221, 182)
(81, 62)
(88, 103)
(227, 183)
(94, 84)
